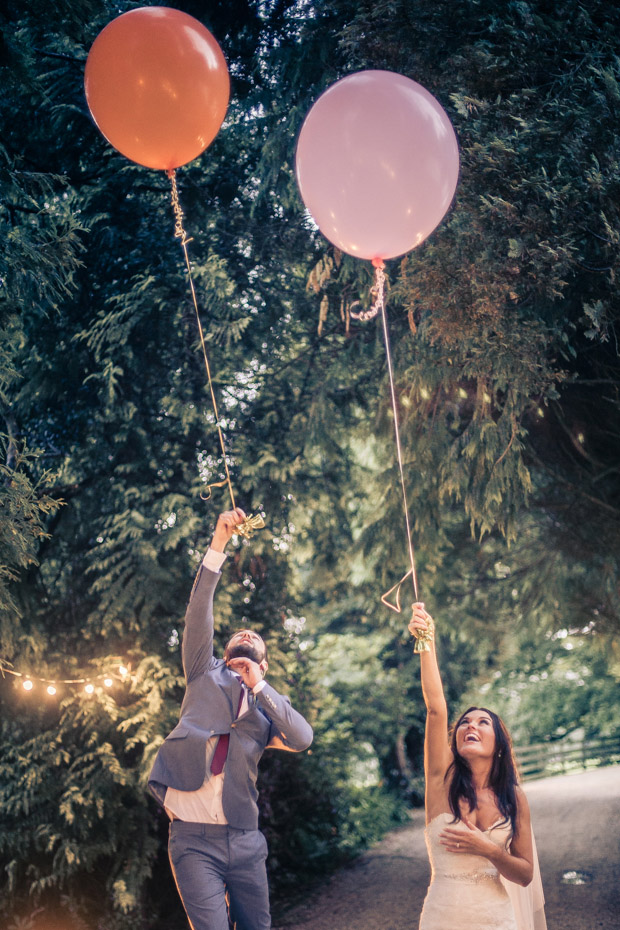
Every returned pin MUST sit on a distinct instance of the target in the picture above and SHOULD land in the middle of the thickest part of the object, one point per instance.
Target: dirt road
(577, 824)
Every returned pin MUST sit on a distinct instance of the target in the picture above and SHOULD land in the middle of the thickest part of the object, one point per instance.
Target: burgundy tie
(221, 750)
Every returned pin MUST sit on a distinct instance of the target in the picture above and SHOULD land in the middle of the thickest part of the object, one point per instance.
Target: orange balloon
(157, 86)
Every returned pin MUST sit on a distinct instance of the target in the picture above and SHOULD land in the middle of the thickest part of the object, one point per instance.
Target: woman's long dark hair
(503, 778)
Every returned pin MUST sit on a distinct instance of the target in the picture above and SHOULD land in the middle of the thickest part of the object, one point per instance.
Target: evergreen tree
(503, 329)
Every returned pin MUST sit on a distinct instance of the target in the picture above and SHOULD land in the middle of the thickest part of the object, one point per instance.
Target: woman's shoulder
(523, 811)
(521, 798)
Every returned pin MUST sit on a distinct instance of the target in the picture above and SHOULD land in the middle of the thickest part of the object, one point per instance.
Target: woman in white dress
(478, 831)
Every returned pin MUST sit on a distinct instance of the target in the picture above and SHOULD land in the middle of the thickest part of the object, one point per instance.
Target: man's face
(247, 645)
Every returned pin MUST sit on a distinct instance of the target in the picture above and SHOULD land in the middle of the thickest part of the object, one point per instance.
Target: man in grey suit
(205, 771)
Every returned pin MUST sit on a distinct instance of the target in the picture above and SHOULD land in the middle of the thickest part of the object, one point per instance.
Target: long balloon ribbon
(252, 522)
(378, 293)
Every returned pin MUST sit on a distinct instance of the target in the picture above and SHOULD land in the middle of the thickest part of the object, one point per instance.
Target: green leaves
(25, 508)
(503, 330)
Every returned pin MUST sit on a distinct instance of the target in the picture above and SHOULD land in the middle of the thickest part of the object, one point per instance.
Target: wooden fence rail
(566, 755)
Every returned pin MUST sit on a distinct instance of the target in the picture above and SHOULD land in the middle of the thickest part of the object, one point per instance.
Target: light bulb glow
(122, 670)
(108, 682)
(27, 685)
(51, 689)
(89, 688)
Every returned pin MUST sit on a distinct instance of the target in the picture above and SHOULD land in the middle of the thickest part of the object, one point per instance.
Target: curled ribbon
(377, 294)
(384, 597)
(423, 638)
(215, 484)
(251, 523)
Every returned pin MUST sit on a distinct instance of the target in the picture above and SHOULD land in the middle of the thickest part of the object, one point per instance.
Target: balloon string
(180, 233)
(377, 292)
(379, 303)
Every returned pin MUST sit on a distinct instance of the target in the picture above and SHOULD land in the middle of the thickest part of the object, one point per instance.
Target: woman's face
(475, 736)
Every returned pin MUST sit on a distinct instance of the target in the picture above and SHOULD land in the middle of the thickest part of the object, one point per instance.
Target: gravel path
(577, 824)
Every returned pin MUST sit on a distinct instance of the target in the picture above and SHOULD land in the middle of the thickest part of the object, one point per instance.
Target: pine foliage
(504, 336)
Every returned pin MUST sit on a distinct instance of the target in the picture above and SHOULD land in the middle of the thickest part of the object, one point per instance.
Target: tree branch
(80, 61)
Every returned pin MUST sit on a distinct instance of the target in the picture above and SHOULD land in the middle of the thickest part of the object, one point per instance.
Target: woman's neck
(480, 774)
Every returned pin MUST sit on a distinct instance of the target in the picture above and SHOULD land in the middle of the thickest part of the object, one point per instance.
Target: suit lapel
(235, 695)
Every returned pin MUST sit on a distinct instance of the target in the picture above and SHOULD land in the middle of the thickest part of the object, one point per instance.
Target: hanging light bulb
(123, 671)
(27, 685)
(89, 688)
(51, 689)
(108, 682)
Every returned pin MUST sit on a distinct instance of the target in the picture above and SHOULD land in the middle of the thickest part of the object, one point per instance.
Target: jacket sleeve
(197, 648)
(289, 730)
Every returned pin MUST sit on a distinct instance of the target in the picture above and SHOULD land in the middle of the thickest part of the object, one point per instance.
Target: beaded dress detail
(466, 892)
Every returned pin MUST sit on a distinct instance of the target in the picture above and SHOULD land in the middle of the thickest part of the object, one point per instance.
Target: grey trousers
(210, 860)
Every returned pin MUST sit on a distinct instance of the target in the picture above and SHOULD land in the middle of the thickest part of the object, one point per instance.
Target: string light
(29, 682)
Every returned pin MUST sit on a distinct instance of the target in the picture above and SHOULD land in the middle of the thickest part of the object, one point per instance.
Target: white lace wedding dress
(467, 893)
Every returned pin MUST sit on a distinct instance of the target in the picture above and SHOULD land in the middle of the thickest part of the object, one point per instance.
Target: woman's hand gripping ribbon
(422, 627)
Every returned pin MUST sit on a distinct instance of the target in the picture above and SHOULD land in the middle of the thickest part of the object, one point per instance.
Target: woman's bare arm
(437, 754)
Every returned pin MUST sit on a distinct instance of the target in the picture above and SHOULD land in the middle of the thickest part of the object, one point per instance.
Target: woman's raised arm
(437, 753)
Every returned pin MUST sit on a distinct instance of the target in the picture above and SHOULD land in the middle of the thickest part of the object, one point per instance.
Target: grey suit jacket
(209, 707)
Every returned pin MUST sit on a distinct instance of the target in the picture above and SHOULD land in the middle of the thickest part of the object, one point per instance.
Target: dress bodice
(463, 866)
(465, 890)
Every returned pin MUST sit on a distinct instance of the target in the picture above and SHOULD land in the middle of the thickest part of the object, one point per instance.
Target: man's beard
(244, 651)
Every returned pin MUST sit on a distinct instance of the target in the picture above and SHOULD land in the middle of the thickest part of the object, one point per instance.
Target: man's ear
(264, 665)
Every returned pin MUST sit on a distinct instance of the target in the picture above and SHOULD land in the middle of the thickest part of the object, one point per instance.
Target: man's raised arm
(197, 648)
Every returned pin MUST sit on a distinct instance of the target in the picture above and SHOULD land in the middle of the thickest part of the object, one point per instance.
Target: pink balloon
(377, 164)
